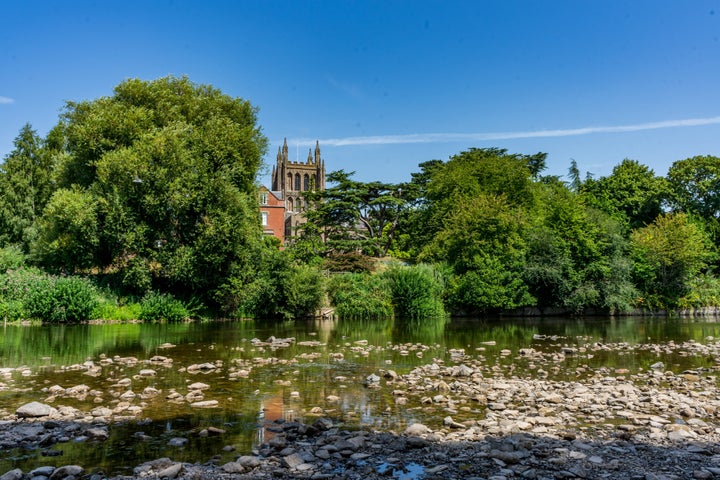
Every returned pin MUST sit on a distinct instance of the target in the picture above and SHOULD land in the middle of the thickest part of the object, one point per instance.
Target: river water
(320, 370)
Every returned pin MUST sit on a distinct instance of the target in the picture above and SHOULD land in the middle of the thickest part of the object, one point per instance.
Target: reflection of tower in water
(272, 409)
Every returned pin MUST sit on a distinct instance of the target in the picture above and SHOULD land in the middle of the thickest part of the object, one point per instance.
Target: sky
(386, 85)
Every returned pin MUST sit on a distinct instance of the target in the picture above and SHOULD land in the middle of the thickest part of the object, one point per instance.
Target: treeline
(507, 237)
(147, 200)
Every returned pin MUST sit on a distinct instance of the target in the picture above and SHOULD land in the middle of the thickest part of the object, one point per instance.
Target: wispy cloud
(6, 100)
(459, 137)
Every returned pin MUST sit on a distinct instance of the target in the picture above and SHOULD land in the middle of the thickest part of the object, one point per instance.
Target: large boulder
(35, 410)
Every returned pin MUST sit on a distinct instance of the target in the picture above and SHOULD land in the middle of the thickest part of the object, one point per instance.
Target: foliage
(61, 299)
(348, 262)
(11, 257)
(632, 194)
(279, 287)
(417, 291)
(668, 254)
(25, 188)
(576, 256)
(155, 307)
(354, 216)
(695, 183)
(360, 296)
(156, 183)
(703, 291)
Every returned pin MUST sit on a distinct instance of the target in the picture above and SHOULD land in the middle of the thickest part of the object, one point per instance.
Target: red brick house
(272, 213)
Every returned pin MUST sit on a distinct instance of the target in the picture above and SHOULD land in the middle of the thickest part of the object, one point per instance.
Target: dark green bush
(156, 307)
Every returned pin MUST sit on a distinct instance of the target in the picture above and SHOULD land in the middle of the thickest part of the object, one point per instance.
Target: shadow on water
(320, 372)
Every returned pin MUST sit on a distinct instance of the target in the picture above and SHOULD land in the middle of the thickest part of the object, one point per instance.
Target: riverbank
(491, 422)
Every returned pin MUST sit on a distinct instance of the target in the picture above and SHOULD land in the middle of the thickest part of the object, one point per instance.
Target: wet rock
(178, 442)
(416, 429)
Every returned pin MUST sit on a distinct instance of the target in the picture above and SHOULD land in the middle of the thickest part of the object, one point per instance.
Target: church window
(290, 204)
(297, 182)
(306, 180)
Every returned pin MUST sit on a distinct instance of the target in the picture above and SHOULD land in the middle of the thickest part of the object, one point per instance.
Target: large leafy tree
(577, 255)
(669, 254)
(632, 194)
(351, 215)
(25, 188)
(695, 183)
(169, 168)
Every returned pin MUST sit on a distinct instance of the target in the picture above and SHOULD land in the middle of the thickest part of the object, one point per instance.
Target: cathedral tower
(291, 179)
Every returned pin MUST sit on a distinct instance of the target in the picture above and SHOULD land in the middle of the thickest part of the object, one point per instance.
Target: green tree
(669, 254)
(632, 194)
(576, 256)
(169, 168)
(25, 188)
(695, 183)
(352, 215)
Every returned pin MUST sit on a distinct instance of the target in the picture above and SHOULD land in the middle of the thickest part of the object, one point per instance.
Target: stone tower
(291, 179)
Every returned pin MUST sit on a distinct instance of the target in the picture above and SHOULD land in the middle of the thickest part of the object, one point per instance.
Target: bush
(60, 300)
(162, 306)
(11, 257)
(417, 291)
(360, 296)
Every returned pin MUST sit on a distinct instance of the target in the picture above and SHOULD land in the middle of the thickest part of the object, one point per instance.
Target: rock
(248, 461)
(233, 467)
(98, 433)
(15, 474)
(205, 404)
(170, 472)
(416, 429)
(35, 410)
(198, 386)
(147, 372)
(67, 471)
(178, 442)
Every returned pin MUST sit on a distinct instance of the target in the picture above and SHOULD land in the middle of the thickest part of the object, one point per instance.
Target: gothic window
(298, 205)
(306, 180)
(290, 204)
(289, 182)
(297, 182)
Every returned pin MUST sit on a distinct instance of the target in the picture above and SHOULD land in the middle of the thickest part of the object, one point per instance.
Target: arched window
(297, 182)
(306, 182)
(289, 182)
(290, 204)
(299, 205)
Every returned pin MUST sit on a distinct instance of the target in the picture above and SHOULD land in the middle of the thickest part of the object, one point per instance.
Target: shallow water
(324, 369)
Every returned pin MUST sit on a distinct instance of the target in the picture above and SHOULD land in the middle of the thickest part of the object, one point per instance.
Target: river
(255, 378)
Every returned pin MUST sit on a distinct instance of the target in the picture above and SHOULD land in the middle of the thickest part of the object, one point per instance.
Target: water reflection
(320, 372)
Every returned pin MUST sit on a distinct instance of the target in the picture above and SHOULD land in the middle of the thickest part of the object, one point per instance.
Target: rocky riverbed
(556, 417)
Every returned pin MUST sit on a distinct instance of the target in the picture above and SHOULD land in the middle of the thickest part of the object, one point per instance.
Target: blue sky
(386, 85)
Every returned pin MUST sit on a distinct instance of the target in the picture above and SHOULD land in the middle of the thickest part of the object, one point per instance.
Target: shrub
(360, 296)
(59, 300)
(162, 306)
(11, 257)
(417, 291)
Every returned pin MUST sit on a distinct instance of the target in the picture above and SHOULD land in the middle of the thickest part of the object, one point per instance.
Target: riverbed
(216, 390)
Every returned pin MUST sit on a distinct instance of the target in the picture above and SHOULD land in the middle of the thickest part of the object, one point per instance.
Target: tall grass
(360, 296)
(417, 291)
